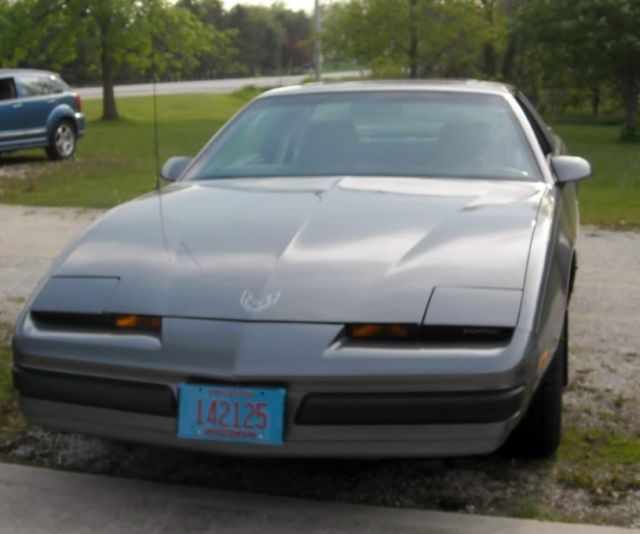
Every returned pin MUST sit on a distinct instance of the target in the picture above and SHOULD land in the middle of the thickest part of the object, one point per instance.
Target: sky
(307, 5)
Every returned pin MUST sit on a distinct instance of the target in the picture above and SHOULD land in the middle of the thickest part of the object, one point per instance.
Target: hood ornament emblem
(253, 304)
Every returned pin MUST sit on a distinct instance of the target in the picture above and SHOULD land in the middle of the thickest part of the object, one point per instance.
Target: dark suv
(38, 109)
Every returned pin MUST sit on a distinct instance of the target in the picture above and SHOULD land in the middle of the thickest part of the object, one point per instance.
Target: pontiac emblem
(256, 305)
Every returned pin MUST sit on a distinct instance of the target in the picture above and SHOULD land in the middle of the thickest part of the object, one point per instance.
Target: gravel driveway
(29, 239)
(596, 476)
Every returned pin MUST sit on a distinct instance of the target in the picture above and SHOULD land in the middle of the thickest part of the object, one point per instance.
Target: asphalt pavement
(207, 86)
(35, 500)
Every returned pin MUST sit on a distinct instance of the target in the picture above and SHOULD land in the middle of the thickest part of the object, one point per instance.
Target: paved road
(35, 500)
(207, 86)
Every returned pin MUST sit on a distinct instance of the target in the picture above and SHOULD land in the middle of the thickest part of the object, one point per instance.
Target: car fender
(62, 111)
(547, 283)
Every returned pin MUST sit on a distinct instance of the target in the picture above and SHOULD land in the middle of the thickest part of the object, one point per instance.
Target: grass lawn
(11, 422)
(115, 162)
(612, 196)
(5, 379)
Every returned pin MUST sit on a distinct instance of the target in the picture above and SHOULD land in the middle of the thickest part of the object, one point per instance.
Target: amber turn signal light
(138, 322)
(380, 331)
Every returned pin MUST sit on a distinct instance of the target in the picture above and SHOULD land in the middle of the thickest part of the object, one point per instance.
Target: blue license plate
(232, 414)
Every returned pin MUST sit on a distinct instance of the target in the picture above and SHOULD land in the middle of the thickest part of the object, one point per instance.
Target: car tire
(62, 144)
(539, 433)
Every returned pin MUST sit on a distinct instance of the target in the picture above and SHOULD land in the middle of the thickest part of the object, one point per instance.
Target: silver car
(364, 270)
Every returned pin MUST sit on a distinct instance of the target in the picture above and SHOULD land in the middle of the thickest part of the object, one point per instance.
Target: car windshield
(375, 133)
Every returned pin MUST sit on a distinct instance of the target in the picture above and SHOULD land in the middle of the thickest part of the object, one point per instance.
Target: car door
(11, 117)
(38, 102)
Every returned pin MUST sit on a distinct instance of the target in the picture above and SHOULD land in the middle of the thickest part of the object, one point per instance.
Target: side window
(7, 89)
(34, 85)
(536, 123)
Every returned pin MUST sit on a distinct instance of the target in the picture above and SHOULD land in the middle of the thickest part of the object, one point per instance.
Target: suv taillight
(78, 101)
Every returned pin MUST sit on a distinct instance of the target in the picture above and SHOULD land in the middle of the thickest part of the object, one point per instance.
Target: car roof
(463, 86)
(13, 72)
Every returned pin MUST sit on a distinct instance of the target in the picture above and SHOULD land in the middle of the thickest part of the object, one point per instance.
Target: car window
(35, 85)
(373, 133)
(538, 125)
(56, 84)
(7, 89)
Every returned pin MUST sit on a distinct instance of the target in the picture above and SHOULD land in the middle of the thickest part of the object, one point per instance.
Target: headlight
(429, 335)
(382, 331)
(97, 322)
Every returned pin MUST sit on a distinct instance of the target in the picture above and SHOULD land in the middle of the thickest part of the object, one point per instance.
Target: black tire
(63, 141)
(539, 433)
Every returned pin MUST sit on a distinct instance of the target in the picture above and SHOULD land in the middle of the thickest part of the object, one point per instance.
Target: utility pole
(318, 41)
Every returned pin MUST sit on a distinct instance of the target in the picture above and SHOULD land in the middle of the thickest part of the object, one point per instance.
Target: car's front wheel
(539, 432)
(62, 144)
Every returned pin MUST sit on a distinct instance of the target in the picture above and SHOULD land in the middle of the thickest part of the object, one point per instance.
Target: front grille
(409, 408)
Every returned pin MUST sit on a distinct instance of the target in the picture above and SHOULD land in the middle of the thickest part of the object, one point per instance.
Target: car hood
(308, 249)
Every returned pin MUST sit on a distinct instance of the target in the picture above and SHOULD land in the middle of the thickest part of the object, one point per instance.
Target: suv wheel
(539, 432)
(62, 144)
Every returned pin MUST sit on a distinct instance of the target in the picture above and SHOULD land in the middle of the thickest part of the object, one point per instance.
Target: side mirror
(174, 167)
(571, 168)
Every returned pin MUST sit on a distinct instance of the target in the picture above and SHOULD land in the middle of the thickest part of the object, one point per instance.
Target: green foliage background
(564, 54)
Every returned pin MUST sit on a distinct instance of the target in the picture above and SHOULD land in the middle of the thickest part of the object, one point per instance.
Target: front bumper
(341, 401)
(356, 425)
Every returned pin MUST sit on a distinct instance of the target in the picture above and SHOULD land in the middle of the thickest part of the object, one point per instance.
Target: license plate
(240, 415)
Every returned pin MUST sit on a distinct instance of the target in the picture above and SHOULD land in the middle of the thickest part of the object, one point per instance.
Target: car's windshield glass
(377, 133)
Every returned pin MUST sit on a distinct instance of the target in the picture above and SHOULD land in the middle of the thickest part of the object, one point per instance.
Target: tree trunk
(490, 60)
(630, 92)
(631, 117)
(109, 108)
(413, 40)
(488, 49)
(595, 100)
(509, 60)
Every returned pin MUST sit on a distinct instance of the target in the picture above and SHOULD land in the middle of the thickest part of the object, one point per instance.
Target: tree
(221, 58)
(143, 36)
(410, 37)
(52, 32)
(259, 38)
(113, 23)
(597, 41)
(147, 35)
(34, 31)
(175, 42)
(267, 40)
(386, 50)
(612, 32)
(206, 11)
(452, 35)
(296, 50)
(5, 27)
